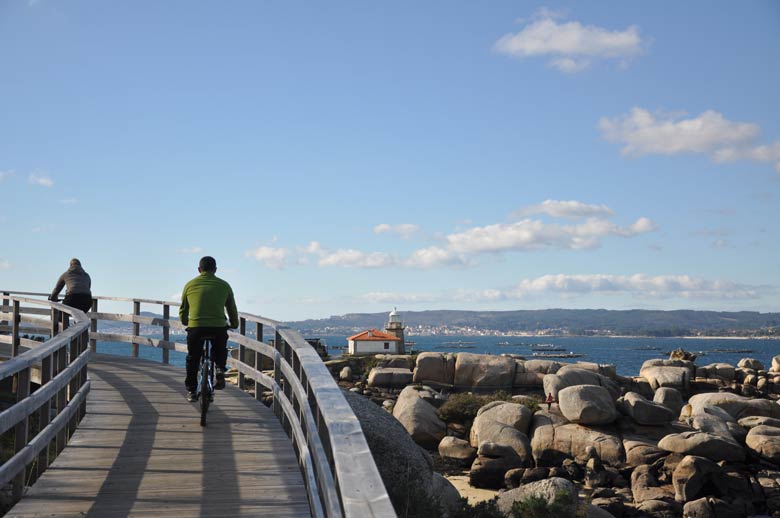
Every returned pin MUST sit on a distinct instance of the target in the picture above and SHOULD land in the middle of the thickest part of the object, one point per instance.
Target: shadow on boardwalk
(141, 451)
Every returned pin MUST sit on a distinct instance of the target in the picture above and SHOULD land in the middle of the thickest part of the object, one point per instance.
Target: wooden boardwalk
(140, 451)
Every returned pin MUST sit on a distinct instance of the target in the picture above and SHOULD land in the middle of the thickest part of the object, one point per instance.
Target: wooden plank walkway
(140, 451)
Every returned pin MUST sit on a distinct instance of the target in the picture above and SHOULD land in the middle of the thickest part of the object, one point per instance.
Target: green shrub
(463, 406)
(485, 509)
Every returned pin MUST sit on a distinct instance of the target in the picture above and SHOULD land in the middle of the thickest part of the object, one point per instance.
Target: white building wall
(371, 347)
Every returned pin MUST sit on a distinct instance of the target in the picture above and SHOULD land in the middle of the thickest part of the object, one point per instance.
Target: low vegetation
(462, 407)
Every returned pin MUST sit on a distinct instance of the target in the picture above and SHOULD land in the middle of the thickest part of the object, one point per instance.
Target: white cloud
(403, 230)
(69, 201)
(5, 175)
(568, 286)
(41, 179)
(571, 209)
(660, 286)
(721, 243)
(529, 234)
(348, 257)
(274, 258)
(644, 133)
(190, 250)
(5, 264)
(434, 256)
(571, 46)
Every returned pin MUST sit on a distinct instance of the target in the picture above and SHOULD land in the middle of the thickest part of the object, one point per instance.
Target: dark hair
(208, 264)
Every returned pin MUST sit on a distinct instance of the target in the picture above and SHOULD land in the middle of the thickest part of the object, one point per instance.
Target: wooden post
(55, 322)
(258, 360)
(83, 344)
(44, 414)
(64, 320)
(93, 326)
(5, 306)
(241, 352)
(15, 330)
(73, 386)
(136, 326)
(62, 395)
(166, 333)
(21, 429)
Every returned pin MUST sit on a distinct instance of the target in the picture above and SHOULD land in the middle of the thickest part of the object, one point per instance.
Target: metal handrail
(339, 471)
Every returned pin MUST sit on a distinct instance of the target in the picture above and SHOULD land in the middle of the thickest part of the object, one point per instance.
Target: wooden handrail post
(166, 333)
(5, 305)
(15, 342)
(93, 325)
(64, 320)
(44, 414)
(21, 430)
(55, 322)
(258, 360)
(241, 352)
(62, 396)
(136, 326)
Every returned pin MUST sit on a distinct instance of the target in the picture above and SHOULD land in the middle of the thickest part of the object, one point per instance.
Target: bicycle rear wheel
(205, 392)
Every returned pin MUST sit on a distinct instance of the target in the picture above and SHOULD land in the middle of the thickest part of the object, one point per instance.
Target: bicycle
(205, 389)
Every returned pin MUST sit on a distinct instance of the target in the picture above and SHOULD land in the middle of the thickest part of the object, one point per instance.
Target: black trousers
(195, 338)
(82, 301)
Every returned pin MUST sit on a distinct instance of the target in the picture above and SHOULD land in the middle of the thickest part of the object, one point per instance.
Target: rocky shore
(679, 439)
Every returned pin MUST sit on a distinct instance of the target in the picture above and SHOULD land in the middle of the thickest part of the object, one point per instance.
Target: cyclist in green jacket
(203, 303)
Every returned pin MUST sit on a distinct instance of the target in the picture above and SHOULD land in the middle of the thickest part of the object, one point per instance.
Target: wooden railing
(340, 474)
(42, 420)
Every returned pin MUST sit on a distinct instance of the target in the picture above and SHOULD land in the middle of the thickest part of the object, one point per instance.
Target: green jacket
(204, 300)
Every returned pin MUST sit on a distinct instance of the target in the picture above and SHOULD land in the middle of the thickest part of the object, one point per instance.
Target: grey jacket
(76, 280)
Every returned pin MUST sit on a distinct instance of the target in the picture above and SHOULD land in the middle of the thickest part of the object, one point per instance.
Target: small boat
(555, 355)
(455, 346)
(503, 343)
(459, 342)
(646, 348)
(551, 348)
(732, 351)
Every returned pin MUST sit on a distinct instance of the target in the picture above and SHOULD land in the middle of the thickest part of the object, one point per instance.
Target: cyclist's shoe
(192, 396)
(220, 384)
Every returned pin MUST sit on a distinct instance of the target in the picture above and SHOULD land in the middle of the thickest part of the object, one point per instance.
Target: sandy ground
(474, 495)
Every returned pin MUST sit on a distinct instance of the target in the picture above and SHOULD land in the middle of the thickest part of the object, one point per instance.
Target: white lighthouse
(395, 327)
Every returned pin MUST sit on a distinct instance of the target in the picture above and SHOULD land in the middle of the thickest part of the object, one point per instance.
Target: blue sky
(356, 156)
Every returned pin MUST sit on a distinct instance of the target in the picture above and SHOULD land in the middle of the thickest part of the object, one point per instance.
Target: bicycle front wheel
(205, 393)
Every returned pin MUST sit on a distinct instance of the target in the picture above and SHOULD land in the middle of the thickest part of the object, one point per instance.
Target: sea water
(627, 354)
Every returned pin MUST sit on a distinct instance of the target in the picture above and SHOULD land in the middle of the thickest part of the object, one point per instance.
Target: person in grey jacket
(79, 287)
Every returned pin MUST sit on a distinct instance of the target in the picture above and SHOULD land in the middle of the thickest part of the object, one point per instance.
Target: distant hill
(637, 322)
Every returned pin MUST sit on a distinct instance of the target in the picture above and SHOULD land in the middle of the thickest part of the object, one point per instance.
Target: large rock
(722, 371)
(419, 417)
(641, 450)
(402, 464)
(492, 462)
(433, 367)
(645, 412)
(395, 361)
(604, 369)
(502, 424)
(715, 425)
(776, 363)
(515, 415)
(750, 363)
(484, 372)
(710, 507)
(669, 397)
(703, 444)
(668, 373)
(528, 379)
(660, 509)
(571, 376)
(448, 495)
(542, 366)
(736, 406)
(549, 489)
(690, 476)
(587, 404)
(764, 441)
(389, 377)
(457, 450)
(645, 485)
(553, 440)
(753, 421)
